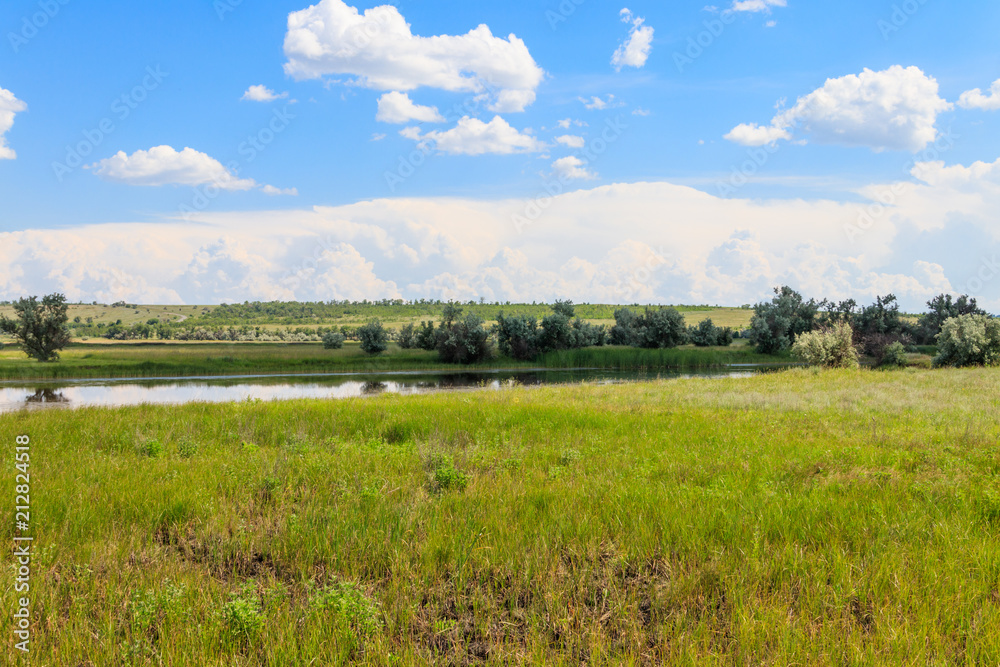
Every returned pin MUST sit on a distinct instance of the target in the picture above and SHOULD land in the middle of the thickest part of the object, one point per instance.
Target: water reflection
(223, 390)
(47, 396)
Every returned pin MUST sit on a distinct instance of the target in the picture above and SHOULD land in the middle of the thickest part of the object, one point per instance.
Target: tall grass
(132, 360)
(812, 518)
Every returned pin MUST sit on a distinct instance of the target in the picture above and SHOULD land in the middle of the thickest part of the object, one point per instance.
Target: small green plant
(348, 602)
(151, 448)
(569, 457)
(242, 617)
(443, 475)
(187, 448)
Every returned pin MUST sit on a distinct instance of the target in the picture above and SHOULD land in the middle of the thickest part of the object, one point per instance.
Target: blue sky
(706, 174)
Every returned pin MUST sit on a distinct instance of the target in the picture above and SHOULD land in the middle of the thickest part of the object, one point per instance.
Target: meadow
(802, 517)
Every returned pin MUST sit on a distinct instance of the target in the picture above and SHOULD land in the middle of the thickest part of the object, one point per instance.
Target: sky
(216, 151)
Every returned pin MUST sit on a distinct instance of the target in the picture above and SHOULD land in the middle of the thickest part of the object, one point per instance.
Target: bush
(969, 340)
(464, 341)
(517, 336)
(407, 337)
(706, 334)
(374, 338)
(830, 347)
(894, 355)
(333, 340)
(426, 337)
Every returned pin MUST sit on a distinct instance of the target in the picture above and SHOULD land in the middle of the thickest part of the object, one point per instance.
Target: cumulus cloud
(635, 50)
(572, 169)
(261, 93)
(9, 107)
(895, 109)
(600, 104)
(163, 165)
(916, 238)
(472, 136)
(751, 134)
(378, 48)
(976, 99)
(571, 140)
(273, 191)
(756, 5)
(398, 108)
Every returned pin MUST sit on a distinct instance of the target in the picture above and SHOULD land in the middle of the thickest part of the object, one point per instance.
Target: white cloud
(634, 51)
(639, 111)
(261, 93)
(756, 5)
(398, 108)
(472, 136)
(895, 109)
(975, 99)
(379, 49)
(572, 168)
(567, 122)
(571, 141)
(751, 134)
(273, 191)
(599, 104)
(9, 107)
(162, 165)
(606, 244)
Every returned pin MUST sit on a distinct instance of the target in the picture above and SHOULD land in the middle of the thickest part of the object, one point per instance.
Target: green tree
(333, 340)
(374, 338)
(777, 323)
(40, 327)
(941, 308)
(663, 328)
(830, 347)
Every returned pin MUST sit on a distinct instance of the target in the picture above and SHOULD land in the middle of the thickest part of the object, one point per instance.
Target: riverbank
(841, 516)
(173, 359)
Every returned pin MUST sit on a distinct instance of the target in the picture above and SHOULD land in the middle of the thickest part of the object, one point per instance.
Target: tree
(663, 328)
(564, 308)
(40, 328)
(776, 324)
(941, 308)
(374, 338)
(627, 330)
(969, 340)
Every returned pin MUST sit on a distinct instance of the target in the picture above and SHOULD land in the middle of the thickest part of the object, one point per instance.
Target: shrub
(442, 474)
(831, 347)
(706, 334)
(333, 340)
(464, 341)
(374, 338)
(407, 337)
(426, 337)
(517, 336)
(969, 340)
(893, 355)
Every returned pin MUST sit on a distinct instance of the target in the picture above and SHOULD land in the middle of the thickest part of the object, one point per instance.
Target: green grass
(802, 517)
(172, 359)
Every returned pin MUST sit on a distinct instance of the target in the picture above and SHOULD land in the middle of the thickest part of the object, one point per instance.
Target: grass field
(802, 517)
(173, 359)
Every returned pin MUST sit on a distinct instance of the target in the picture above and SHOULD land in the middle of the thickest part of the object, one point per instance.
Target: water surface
(20, 395)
